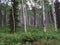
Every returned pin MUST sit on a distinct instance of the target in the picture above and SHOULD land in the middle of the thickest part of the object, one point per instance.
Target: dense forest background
(30, 22)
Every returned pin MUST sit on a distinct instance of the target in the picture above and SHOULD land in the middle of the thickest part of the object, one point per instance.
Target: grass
(34, 34)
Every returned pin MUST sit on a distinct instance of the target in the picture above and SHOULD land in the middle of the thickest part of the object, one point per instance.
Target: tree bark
(14, 26)
(54, 15)
(0, 15)
(24, 15)
(34, 11)
(44, 18)
(57, 10)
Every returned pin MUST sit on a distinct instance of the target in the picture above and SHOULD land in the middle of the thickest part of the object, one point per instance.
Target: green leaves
(16, 39)
(13, 16)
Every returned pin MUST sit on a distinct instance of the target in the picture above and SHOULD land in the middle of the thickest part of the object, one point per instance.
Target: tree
(54, 15)
(57, 11)
(13, 20)
(44, 18)
(0, 14)
(33, 6)
(24, 15)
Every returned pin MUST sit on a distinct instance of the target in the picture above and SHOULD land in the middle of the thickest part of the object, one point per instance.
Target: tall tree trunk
(57, 10)
(34, 11)
(14, 26)
(29, 20)
(44, 18)
(13, 20)
(0, 14)
(24, 16)
(54, 15)
(5, 12)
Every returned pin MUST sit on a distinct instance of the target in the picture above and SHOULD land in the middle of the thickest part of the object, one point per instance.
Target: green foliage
(15, 11)
(16, 39)
(9, 39)
(33, 34)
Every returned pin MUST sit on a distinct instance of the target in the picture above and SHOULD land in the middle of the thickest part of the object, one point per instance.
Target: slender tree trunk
(14, 26)
(2, 20)
(57, 10)
(24, 16)
(29, 21)
(54, 15)
(34, 11)
(0, 14)
(25, 19)
(44, 18)
(5, 13)
(13, 20)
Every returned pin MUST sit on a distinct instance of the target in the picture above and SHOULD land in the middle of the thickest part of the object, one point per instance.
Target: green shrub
(16, 39)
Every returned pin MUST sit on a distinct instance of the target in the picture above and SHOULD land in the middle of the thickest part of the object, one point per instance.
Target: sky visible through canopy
(5, 1)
